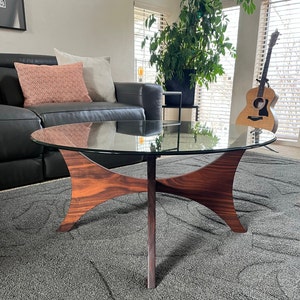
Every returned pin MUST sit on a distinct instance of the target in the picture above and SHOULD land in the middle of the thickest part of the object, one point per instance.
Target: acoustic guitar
(259, 111)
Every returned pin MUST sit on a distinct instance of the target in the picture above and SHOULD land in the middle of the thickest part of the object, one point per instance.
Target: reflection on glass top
(151, 137)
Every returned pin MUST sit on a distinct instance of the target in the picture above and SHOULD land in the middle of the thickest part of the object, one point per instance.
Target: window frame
(287, 117)
(142, 56)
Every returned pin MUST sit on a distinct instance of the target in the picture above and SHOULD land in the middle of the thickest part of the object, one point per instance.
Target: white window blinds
(284, 67)
(142, 56)
(215, 103)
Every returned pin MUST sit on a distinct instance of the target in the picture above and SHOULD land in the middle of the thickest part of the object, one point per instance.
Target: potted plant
(189, 50)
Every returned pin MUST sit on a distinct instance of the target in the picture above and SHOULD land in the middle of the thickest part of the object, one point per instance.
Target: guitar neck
(263, 79)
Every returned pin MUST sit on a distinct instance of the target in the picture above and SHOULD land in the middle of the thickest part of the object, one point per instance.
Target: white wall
(87, 28)
(245, 61)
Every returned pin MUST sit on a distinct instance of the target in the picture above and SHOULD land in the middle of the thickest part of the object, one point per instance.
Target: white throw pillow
(96, 74)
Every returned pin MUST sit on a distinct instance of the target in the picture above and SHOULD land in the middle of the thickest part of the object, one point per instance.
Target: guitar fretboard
(263, 79)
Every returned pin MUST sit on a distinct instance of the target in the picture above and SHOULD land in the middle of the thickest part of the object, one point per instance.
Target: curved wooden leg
(93, 184)
(211, 186)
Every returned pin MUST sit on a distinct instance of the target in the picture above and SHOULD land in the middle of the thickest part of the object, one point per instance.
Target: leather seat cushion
(66, 113)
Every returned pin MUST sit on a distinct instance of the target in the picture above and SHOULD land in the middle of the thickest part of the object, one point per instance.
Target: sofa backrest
(10, 89)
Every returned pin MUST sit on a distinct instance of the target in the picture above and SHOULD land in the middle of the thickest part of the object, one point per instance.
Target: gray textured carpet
(198, 257)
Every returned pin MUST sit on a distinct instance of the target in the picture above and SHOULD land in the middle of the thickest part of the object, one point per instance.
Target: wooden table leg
(151, 171)
(93, 184)
(211, 186)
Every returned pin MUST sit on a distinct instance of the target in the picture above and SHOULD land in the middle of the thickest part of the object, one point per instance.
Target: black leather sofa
(24, 162)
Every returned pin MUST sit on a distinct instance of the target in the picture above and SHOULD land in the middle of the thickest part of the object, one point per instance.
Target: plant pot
(188, 93)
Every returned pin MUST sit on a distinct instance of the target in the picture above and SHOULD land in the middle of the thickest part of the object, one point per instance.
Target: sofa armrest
(146, 95)
(16, 126)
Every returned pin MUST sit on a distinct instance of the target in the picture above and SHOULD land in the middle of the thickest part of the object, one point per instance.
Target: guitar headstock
(274, 37)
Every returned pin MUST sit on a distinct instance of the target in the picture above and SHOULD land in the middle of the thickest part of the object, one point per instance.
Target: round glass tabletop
(152, 137)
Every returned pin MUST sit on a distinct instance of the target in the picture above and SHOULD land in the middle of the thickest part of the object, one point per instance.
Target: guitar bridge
(254, 118)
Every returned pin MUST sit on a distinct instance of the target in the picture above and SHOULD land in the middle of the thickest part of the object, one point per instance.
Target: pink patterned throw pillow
(52, 84)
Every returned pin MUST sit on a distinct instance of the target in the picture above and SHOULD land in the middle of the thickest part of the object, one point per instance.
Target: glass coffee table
(210, 185)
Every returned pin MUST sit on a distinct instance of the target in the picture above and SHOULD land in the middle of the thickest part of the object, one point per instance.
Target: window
(284, 67)
(142, 56)
(215, 103)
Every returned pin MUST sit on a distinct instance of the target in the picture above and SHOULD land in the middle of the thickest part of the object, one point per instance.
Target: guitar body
(259, 112)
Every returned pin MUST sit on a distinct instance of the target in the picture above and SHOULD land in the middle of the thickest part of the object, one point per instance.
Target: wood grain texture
(210, 186)
(93, 184)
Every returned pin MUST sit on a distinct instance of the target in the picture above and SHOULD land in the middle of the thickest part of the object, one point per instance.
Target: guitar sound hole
(259, 103)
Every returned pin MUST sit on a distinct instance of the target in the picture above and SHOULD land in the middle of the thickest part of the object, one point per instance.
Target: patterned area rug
(198, 257)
